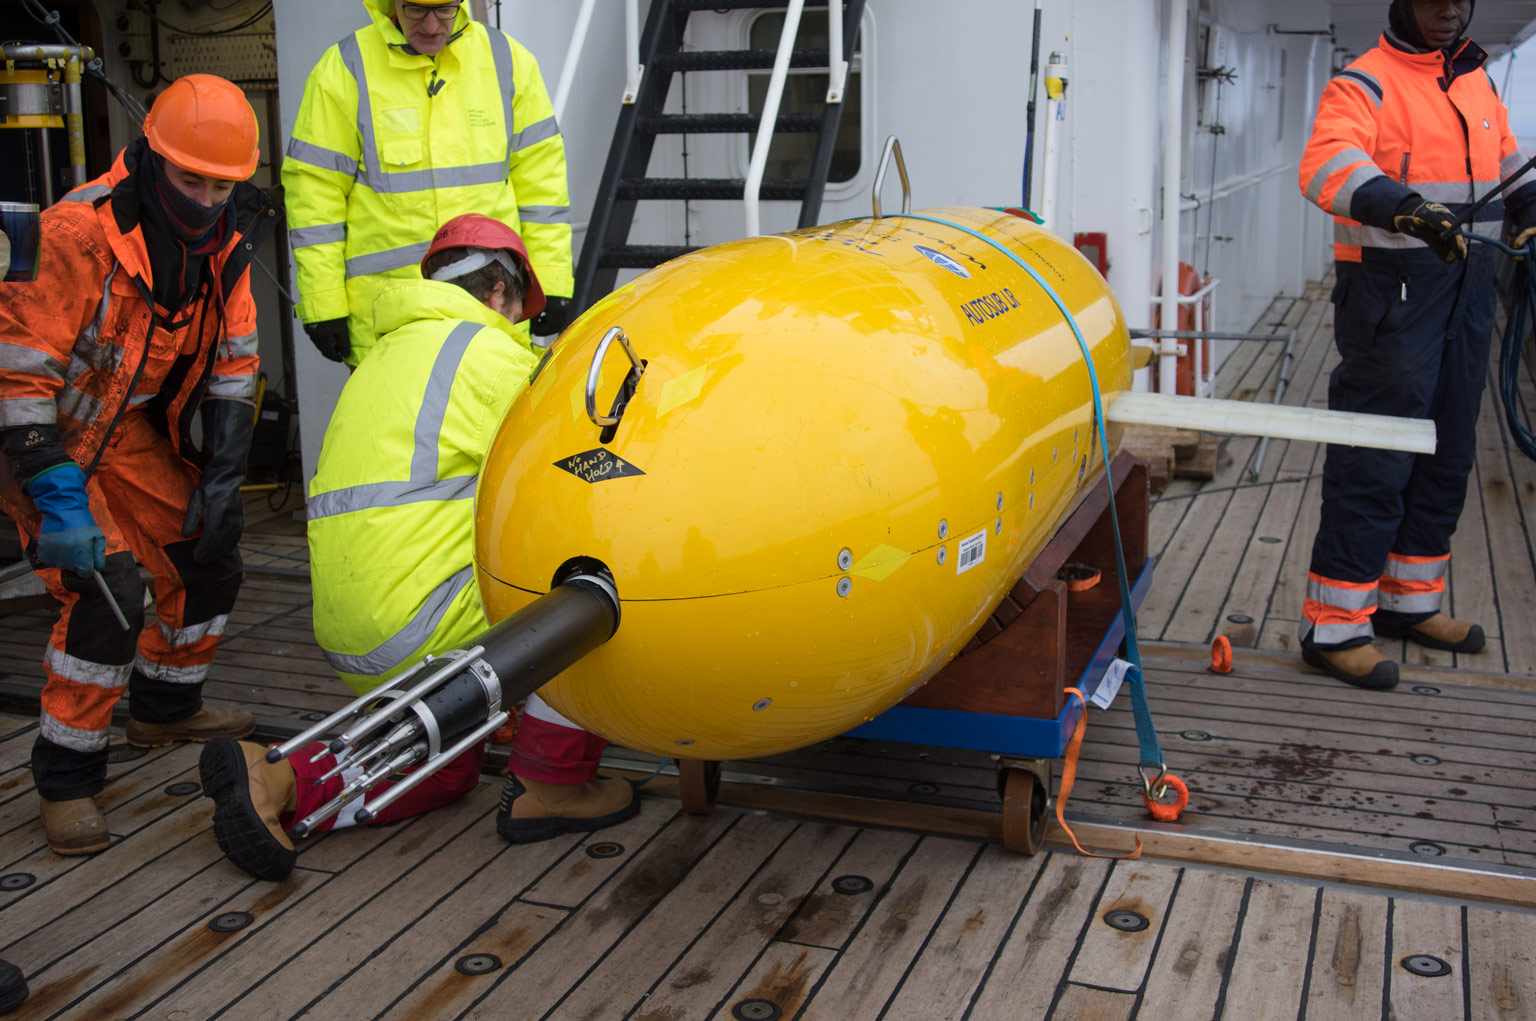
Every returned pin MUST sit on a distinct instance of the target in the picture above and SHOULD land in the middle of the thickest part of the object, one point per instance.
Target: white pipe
(1282, 422)
(1173, 172)
(837, 67)
(754, 186)
(1055, 129)
(632, 47)
(572, 55)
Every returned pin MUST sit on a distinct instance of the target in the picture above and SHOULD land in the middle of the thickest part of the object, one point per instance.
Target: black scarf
(1403, 32)
(179, 233)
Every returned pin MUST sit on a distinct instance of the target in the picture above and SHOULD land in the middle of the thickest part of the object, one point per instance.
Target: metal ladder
(660, 53)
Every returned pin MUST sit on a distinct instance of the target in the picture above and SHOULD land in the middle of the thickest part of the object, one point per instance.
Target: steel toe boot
(1362, 665)
(1438, 632)
(204, 725)
(250, 795)
(532, 811)
(75, 826)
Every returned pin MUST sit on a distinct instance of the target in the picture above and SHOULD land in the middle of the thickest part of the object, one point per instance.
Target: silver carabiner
(596, 368)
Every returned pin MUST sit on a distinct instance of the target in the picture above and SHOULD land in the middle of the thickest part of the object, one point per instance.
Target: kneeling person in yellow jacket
(391, 539)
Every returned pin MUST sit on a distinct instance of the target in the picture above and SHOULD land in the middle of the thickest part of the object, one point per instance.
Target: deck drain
(1426, 964)
(1427, 848)
(16, 881)
(125, 753)
(852, 884)
(1239, 618)
(477, 964)
(1269, 538)
(1426, 760)
(314, 717)
(182, 789)
(1126, 921)
(1425, 689)
(605, 849)
(756, 1010)
(923, 788)
(231, 921)
(1194, 735)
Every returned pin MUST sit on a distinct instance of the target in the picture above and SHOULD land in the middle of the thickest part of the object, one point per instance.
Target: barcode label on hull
(973, 550)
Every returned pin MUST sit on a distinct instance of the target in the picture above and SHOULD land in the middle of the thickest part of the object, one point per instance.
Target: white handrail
(752, 193)
(572, 56)
(837, 67)
(632, 47)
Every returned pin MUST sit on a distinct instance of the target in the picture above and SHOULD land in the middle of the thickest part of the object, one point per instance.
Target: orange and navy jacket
(85, 342)
(1394, 123)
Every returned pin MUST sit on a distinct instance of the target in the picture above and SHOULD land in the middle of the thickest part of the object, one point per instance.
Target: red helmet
(203, 124)
(474, 230)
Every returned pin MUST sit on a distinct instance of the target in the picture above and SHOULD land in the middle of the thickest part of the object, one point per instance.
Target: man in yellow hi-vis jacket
(421, 116)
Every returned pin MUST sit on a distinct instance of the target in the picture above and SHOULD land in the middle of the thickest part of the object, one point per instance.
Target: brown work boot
(1438, 632)
(204, 725)
(532, 811)
(75, 826)
(249, 796)
(1360, 665)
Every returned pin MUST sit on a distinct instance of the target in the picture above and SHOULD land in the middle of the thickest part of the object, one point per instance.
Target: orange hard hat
(474, 230)
(204, 125)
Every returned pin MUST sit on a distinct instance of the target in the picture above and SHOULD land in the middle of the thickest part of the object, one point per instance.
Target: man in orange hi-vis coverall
(1406, 137)
(140, 317)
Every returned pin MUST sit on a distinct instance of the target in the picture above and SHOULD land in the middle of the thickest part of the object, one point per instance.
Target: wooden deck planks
(1348, 957)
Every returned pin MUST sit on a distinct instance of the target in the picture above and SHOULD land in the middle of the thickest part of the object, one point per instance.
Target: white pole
(1173, 171)
(1055, 129)
(632, 48)
(754, 184)
(572, 55)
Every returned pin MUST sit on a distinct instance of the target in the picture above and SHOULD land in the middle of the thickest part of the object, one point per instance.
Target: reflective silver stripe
(1346, 193)
(544, 214)
(194, 674)
(352, 58)
(1336, 634)
(1411, 602)
(1335, 163)
(1341, 598)
(1373, 88)
(319, 156)
(533, 134)
(324, 234)
(232, 388)
(21, 358)
(77, 405)
(438, 177)
(138, 399)
(28, 411)
(390, 258)
(193, 633)
(1447, 192)
(374, 495)
(92, 192)
(83, 671)
(501, 54)
(1514, 161)
(241, 347)
(74, 738)
(434, 403)
(1372, 237)
(408, 639)
(1408, 570)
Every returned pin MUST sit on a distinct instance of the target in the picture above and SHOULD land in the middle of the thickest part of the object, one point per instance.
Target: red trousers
(541, 750)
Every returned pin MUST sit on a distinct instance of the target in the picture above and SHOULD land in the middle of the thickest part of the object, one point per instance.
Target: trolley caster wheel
(698, 782)
(1024, 803)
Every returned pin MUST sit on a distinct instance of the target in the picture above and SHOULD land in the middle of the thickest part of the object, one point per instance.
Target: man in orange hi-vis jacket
(1405, 138)
(140, 317)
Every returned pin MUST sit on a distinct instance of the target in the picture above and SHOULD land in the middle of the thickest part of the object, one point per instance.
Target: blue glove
(69, 537)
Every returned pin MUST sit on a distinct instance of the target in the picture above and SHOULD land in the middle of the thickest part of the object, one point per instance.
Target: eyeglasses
(444, 13)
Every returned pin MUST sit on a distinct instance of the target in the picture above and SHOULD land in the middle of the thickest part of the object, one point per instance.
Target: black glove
(227, 428)
(1428, 221)
(330, 337)
(555, 317)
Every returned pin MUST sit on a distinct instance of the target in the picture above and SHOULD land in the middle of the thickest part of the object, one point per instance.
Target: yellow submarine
(813, 463)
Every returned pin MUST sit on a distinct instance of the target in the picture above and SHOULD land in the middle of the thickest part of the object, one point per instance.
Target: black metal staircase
(624, 183)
